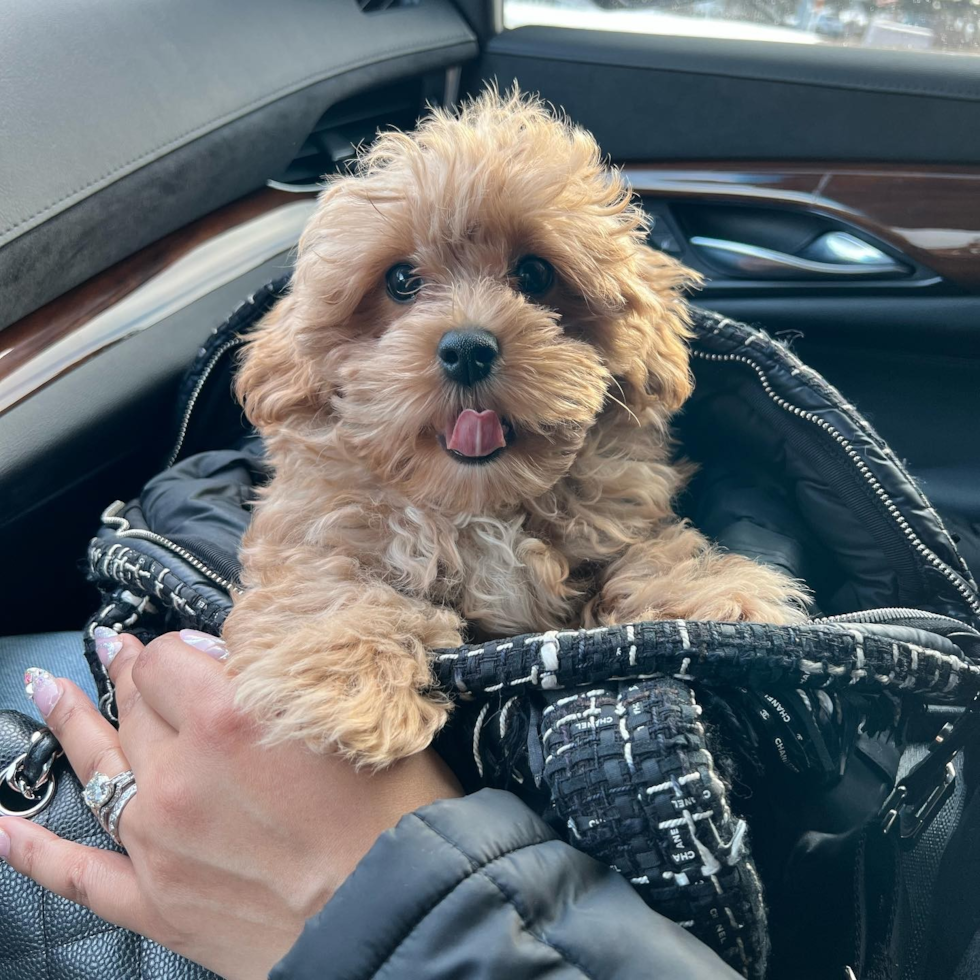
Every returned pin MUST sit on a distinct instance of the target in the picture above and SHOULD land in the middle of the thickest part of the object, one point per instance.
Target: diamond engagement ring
(107, 796)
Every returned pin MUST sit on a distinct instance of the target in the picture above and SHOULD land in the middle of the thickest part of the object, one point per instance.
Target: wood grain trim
(25, 338)
(932, 214)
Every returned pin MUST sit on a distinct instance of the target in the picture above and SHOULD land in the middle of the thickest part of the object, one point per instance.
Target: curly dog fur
(373, 544)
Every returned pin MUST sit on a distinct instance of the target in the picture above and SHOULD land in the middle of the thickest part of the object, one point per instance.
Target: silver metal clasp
(911, 817)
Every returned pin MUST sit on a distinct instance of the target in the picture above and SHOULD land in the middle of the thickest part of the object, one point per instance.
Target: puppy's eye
(534, 275)
(402, 283)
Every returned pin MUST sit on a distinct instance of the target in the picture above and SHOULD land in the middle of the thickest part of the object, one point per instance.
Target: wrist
(404, 787)
(424, 778)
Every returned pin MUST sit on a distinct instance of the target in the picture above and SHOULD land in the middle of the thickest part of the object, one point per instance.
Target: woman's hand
(230, 845)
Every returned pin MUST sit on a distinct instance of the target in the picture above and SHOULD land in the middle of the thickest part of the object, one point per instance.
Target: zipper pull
(919, 795)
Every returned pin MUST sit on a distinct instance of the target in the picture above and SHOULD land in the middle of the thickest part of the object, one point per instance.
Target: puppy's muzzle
(467, 355)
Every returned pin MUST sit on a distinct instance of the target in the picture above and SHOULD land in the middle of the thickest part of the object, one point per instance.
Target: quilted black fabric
(45, 937)
(778, 427)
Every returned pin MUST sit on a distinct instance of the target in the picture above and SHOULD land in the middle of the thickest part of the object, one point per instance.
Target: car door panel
(929, 214)
(94, 435)
(649, 97)
(771, 145)
(193, 104)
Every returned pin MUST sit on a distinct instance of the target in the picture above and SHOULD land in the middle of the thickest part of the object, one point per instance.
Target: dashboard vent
(374, 6)
(347, 124)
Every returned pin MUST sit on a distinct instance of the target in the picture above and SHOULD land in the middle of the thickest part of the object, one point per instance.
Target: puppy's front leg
(341, 663)
(680, 575)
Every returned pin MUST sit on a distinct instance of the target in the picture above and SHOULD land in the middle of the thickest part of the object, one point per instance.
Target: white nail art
(208, 644)
(107, 644)
(35, 677)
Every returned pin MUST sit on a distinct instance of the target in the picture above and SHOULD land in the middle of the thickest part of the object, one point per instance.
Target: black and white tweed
(631, 774)
(752, 655)
(627, 762)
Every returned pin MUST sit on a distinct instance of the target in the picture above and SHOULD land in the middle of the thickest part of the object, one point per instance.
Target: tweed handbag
(609, 733)
(659, 748)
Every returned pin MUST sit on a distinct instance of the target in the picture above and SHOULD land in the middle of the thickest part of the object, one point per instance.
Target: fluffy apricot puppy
(465, 398)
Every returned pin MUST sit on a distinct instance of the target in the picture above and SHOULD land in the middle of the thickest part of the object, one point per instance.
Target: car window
(951, 26)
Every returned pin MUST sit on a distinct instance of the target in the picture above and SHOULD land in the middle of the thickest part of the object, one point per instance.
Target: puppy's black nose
(467, 355)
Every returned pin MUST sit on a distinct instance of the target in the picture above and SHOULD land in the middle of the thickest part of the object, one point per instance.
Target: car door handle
(835, 255)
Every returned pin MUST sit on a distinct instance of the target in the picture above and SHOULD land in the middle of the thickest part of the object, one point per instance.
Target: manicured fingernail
(211, 645)
(107, 644)
(4, 846)
(41, 688)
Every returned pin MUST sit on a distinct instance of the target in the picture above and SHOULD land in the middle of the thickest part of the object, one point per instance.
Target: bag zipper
(887, 614)
(262, 299)
(110, 516)
(196, 393)
(968, 596)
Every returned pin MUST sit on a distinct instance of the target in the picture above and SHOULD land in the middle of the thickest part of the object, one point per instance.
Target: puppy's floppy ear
(275, 382)
(665, 356)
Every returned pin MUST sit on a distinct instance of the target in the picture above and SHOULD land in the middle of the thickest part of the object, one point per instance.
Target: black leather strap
(956, 899)
(40, 757)
(886, 908)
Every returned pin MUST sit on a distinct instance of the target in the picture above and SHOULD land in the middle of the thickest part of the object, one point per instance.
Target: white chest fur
(510, 581)
(496, 574)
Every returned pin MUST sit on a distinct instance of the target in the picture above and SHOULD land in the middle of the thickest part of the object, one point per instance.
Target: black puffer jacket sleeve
(479, 888)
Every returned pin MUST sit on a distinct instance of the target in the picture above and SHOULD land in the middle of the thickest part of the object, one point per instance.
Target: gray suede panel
(94, 91)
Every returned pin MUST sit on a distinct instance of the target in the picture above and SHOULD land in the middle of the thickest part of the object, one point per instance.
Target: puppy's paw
(367, 698)
(403, 723)
(741, 590)
(713, 586)
(370, 724)
(780, 612)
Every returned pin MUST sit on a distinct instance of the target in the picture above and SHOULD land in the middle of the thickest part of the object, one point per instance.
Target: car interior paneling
(194, 104)
(105, 424)
(650, 97)
(141, 289)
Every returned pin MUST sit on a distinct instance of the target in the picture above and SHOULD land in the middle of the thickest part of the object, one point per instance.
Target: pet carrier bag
(783, 792)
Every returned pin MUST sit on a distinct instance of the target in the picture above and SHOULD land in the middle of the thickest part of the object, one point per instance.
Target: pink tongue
(476, 433)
